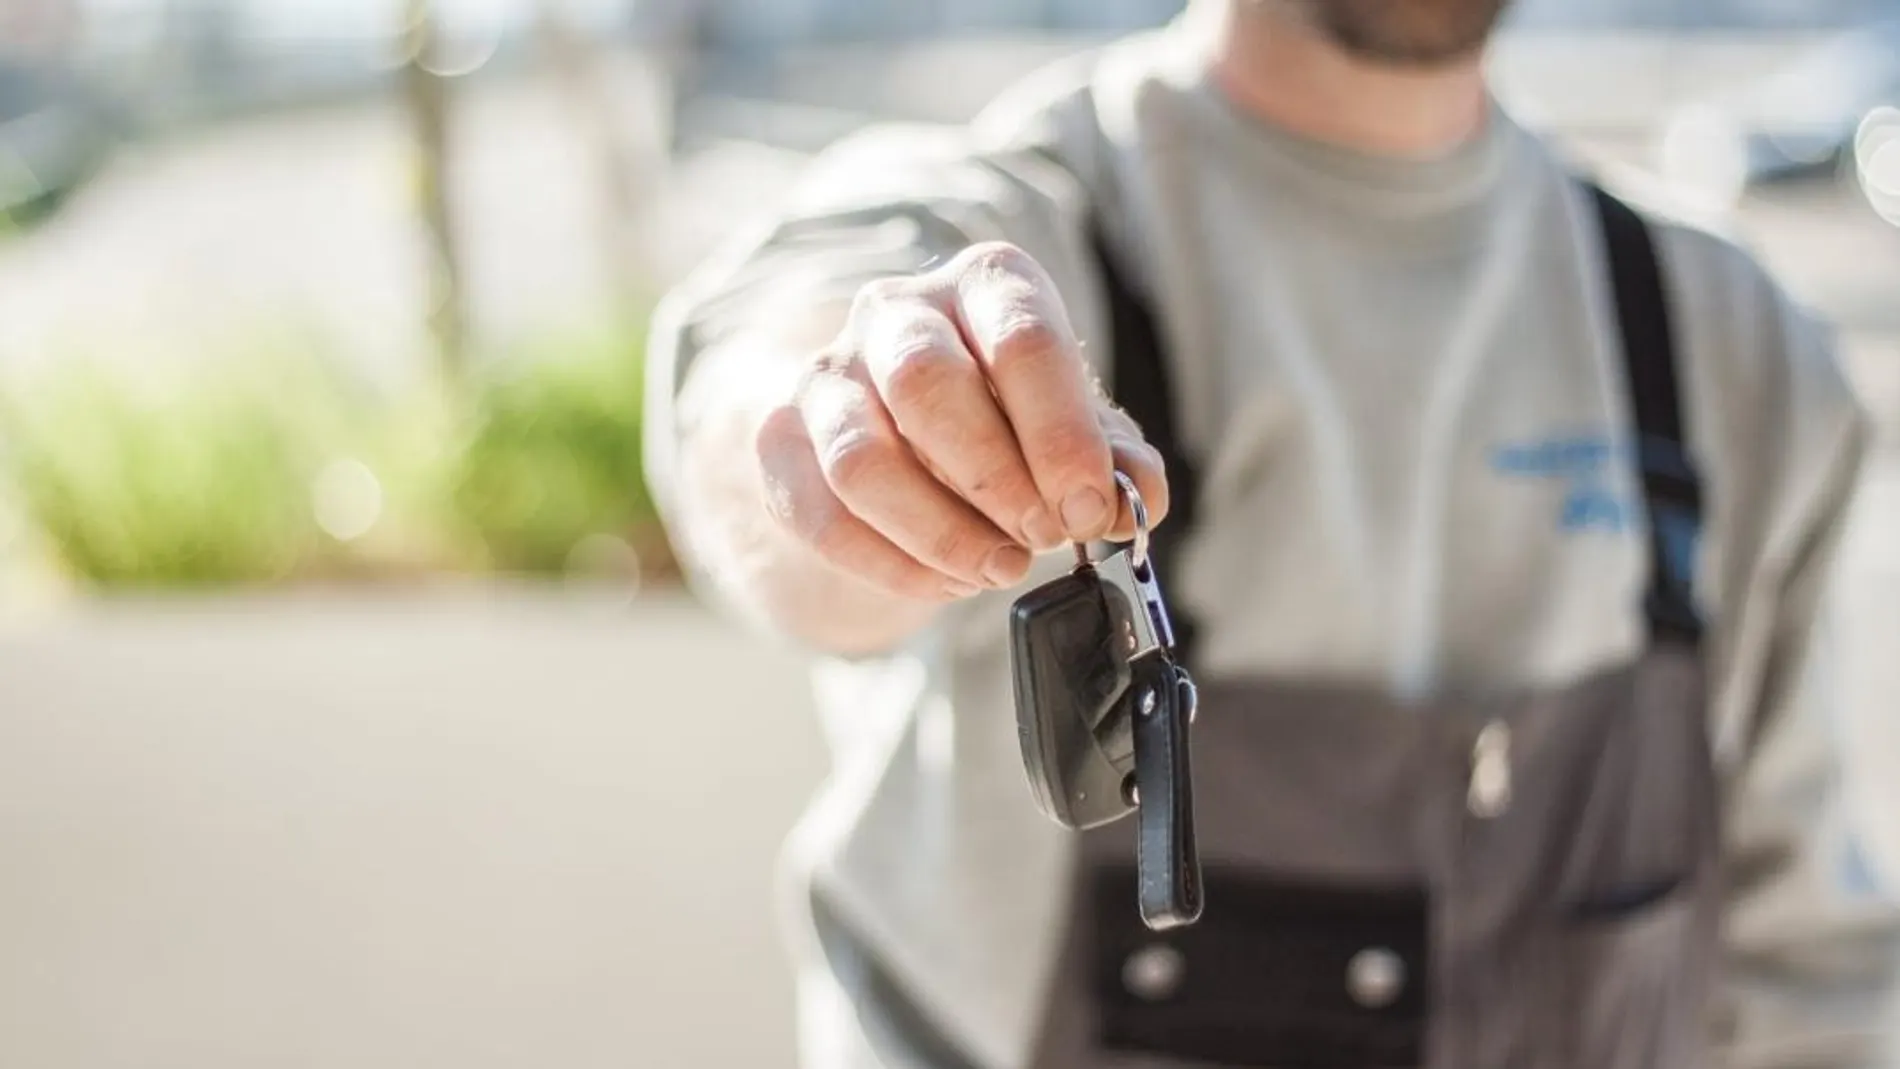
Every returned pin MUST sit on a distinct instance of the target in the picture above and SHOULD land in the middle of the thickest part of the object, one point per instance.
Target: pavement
(485, 828)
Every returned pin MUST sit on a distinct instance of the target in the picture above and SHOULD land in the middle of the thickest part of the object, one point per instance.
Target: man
(1512, 514)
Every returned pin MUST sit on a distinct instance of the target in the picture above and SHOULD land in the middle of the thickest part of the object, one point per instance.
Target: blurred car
(55, 134)
(1803, 119)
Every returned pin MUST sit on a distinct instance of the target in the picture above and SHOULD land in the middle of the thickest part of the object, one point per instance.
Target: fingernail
(1042, 530)
(961, 590)
(1083, 512)
(1006, 566)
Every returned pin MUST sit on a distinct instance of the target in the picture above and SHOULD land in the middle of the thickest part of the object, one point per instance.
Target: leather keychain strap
(1167, 861)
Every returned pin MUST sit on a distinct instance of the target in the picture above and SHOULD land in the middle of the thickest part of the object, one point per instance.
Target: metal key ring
(1138, 555)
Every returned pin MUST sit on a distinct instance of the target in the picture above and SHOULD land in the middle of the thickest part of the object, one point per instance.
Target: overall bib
(1509, 880)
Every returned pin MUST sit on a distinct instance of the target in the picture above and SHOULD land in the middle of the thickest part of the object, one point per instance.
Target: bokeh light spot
(1877, 161)
(347, 499)
(1704, 158)
(1877, 127)
(467, 36)
(1883, 170)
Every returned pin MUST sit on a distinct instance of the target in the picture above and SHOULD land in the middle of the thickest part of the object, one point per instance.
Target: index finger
(1019, 331)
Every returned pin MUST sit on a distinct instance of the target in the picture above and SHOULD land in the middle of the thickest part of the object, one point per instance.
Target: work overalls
(1485, 881)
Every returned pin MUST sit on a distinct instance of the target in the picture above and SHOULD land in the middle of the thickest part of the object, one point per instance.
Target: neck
(1286, 72)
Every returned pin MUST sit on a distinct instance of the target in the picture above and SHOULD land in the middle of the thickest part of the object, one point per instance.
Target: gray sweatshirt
(1402, 378)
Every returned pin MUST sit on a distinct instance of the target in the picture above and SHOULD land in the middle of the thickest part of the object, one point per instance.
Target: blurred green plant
(267, 464)
(199, 476)
(549, 465)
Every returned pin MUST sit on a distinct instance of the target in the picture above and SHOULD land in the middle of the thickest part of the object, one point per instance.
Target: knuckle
(836, 393)
(879, 293)
(826, 369)
(925, 377)
(825, 527)
(1004, 478)
(959, 547)
(857, 458)
(1027, 345)
(830, 362)
(1072, 448)
(990, 259)
(811, 516)
(780, 432)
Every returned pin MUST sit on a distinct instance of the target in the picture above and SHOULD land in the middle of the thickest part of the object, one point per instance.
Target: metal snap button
(1154, 972)
(1375, 977)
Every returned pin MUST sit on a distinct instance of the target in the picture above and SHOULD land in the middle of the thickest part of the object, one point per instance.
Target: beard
(1419, 33)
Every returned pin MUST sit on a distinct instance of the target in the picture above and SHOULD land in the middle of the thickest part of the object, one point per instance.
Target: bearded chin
(1414, 33)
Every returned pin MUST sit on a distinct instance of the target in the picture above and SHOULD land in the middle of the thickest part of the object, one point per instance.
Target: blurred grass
(262, 463)
(198, 478)
(551, 456)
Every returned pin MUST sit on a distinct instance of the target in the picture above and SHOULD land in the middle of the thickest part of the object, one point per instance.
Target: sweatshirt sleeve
(1812, 929)
(892, 200)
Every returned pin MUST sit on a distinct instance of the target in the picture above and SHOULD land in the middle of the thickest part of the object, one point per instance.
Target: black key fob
(1102, 714)
(1072, 677)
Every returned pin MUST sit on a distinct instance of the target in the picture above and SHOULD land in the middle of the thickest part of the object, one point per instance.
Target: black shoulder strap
(1139, 382)
(1672, 489)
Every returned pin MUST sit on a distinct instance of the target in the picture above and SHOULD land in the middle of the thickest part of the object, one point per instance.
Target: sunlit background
(351, 711)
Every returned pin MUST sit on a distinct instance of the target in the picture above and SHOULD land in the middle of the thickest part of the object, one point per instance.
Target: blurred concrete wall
(468, 830)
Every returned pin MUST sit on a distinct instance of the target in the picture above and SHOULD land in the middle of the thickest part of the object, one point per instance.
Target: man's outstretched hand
(950, 429)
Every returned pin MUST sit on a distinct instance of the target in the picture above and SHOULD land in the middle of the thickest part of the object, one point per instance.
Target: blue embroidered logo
(1587, 464)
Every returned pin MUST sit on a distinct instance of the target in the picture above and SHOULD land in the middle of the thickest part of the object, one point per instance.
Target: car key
(1103, 710)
